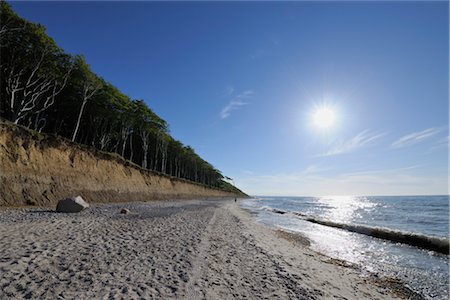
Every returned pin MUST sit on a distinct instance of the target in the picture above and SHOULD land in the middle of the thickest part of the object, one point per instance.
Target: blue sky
(239, 82)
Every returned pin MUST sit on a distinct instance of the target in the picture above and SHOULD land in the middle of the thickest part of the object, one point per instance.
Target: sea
(404, 237)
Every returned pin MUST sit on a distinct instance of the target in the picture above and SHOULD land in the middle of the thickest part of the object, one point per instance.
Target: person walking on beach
(235, 199)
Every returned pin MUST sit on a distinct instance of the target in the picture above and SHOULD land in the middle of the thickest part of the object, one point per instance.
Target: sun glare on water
(324, 117)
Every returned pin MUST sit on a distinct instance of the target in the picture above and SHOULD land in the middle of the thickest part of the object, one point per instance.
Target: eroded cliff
(40, 169)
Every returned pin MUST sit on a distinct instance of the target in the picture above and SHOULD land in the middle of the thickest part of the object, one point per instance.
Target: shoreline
(414, 271)
(211, 249)
(394, 285)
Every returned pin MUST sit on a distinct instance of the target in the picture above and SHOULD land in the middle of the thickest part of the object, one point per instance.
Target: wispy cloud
(377, 172)
(237, 102)
(313, 180)
(361, 139)
(415, 137)
(229, 90)
(443, 142)
(314, 169)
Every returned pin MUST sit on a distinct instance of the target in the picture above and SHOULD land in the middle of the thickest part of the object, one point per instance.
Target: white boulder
(72, 205)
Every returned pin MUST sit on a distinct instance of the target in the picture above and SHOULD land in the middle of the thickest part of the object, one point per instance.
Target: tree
(33, 69)
(41, 86)
(90, 86)
(149, 124)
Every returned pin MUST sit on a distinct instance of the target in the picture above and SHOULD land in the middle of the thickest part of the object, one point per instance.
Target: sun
(324, 117)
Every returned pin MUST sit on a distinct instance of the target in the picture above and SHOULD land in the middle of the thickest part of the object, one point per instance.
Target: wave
(274, 210)
(440, 245)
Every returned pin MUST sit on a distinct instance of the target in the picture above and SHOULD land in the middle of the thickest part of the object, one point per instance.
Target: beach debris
(72, 205)
(125, 211)
(32, 202)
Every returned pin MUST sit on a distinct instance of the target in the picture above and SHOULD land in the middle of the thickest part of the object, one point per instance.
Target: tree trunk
(78, 122)
(123, 146)
(131, 148)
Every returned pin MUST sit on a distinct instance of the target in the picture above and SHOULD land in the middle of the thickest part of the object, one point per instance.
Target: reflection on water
(425, 271)
(343, 209)
(334, 242)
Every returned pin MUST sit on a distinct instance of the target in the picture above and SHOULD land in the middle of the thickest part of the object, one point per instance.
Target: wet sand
(206, 249)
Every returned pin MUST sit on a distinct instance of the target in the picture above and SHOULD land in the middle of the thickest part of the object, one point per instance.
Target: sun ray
(324, 117)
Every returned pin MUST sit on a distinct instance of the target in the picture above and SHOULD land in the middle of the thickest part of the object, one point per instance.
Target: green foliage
(228, 187)
(77, 103)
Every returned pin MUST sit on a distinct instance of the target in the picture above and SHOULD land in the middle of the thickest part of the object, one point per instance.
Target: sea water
(389, 236)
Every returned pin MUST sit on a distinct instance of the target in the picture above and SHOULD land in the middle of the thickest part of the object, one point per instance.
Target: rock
(72, 205)
(124, 211)
(31, 202)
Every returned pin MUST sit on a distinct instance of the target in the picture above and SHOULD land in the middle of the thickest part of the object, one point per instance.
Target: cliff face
(41, 169)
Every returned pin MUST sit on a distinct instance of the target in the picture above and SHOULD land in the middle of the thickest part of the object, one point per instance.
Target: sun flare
(324, 117)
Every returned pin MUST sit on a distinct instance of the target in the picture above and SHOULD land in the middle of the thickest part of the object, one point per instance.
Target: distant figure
(235, 200)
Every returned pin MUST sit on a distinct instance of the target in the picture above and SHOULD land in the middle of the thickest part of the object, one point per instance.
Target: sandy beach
(208, 249)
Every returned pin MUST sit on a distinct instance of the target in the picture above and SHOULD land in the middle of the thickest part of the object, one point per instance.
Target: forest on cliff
(50, 91)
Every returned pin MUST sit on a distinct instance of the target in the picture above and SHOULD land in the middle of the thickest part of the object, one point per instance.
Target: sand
(192, 249)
